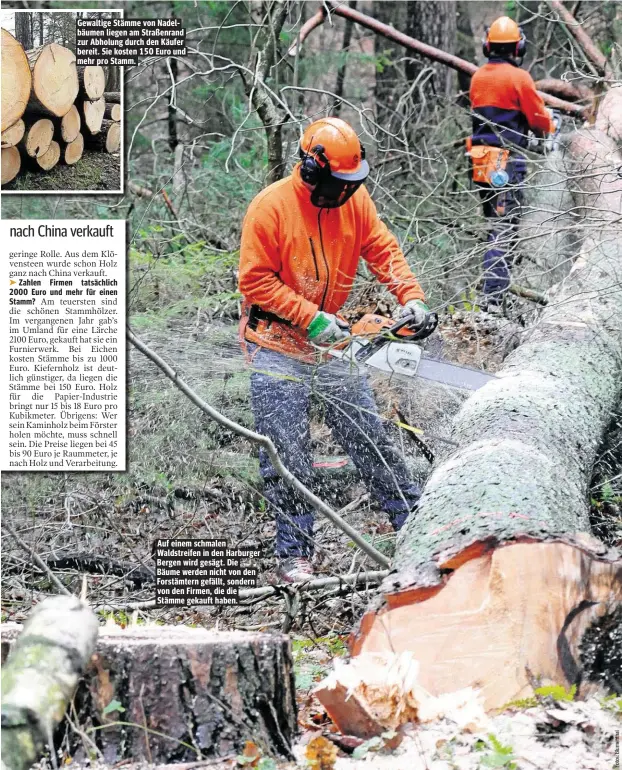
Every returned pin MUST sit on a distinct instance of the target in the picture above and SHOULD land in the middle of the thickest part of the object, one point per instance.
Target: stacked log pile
(52, 109)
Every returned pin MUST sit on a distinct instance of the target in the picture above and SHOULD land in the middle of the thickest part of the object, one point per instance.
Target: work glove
(423, 319)
(326, 329)
(552, 140)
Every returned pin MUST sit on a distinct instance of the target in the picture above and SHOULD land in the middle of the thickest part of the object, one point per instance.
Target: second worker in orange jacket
(302, 239)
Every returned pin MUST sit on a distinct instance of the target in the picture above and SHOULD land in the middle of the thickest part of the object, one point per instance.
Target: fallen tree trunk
(73, 151)
(37, 138)
(11, 164)
(183, 694)
(16, 80)
(13, 134)
(497, 582)
(107, 140)
(113, 112)
(54, 80)
(92, 114)
(92, 81)
(112, 96)
(40, 675)
(68, 127)
(48, 159)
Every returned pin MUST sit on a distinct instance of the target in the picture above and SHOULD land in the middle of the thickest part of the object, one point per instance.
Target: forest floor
(95, 171)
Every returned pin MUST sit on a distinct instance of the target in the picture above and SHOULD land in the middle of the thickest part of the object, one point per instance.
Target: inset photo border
(62, 124)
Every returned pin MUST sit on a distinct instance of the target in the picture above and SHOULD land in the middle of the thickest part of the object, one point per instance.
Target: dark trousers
(502, 208)
(281, 392)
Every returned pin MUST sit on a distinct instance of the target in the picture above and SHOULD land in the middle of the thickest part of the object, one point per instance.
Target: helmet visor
(334, 189)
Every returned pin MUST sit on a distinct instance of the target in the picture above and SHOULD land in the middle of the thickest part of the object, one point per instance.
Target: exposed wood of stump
(16, 80)
(54, 79)
(49, 159)
(108, 140)
(92, 80)
(37, 138)
(72, 152)
(40, 675)
(211, 690)
(68, 127)
(113, 96)
(113, 112)
(92, 114)
(11, 164)
(13, 134)
(497, 581)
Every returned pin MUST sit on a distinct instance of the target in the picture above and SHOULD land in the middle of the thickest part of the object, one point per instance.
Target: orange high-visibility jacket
(506, 105)
(296, 259)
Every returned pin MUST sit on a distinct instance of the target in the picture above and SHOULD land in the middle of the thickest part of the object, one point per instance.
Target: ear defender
(521, 45)
(311, 170)
(486, 44)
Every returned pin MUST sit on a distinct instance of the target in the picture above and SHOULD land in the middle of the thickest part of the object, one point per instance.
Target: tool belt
(486, 160)
(257, 314)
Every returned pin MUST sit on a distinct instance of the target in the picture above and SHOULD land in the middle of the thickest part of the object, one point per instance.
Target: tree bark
(40, 675)
(107, 140)
(16, 80)
(184, 694)
(92, 82)
(341, 72)
(434, 23)
(37, 138)
(23, 30)
(11, 164)
(13, 134)
(54, 79)
(497, 580)
(112, 96)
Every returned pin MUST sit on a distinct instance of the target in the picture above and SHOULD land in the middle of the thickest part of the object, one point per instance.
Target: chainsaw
(391, 347)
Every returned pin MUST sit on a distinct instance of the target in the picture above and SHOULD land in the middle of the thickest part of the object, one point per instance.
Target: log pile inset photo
(55, 111)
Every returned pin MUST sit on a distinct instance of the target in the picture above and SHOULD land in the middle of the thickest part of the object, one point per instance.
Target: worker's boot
(294, 569)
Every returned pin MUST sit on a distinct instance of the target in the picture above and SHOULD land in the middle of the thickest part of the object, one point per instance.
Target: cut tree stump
(92, 114)
(54, 80)
(68, 127)
(11, 164)
(73, 151)
(49, 159)
(13, 134)
(108, 139)
(113, 112)
(92, 80)
(113, 96)
(37, 138)
(40, 675)
(185, 692)
(16, 80)
(497, 582)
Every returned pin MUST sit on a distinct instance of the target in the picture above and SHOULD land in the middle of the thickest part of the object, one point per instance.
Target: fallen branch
(588, 46)
(40, 675)
(530, 294)
(266, 443)
(429, 51)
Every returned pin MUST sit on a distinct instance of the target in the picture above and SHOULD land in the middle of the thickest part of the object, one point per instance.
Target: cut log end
(73, 151)
(38, 138)
(113, 138)
(16, 80)
(70, 125)
(495, 623)
(11, 164)
(13, 134)
(54, 78)
(50, 158)
(92, 81)
(113, 112)
(93, 114)
(107, 140)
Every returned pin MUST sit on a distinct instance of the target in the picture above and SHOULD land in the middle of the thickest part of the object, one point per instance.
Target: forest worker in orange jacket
(505, 106)
(302, 238)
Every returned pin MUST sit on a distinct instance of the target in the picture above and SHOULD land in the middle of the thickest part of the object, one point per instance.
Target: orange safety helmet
(504, 31)
(332, 161)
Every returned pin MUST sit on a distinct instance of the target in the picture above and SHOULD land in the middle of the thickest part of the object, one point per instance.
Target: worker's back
(496, 104)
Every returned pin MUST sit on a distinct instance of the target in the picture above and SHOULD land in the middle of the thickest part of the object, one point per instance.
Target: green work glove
(326, 329)
(417, 310)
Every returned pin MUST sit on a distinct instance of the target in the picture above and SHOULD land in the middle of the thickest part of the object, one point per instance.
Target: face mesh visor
(330, 192)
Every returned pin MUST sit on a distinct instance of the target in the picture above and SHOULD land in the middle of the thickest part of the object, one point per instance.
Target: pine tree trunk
(434, 23)
(16, 80)
(112, 96)
(181, 691)
(54, 79)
